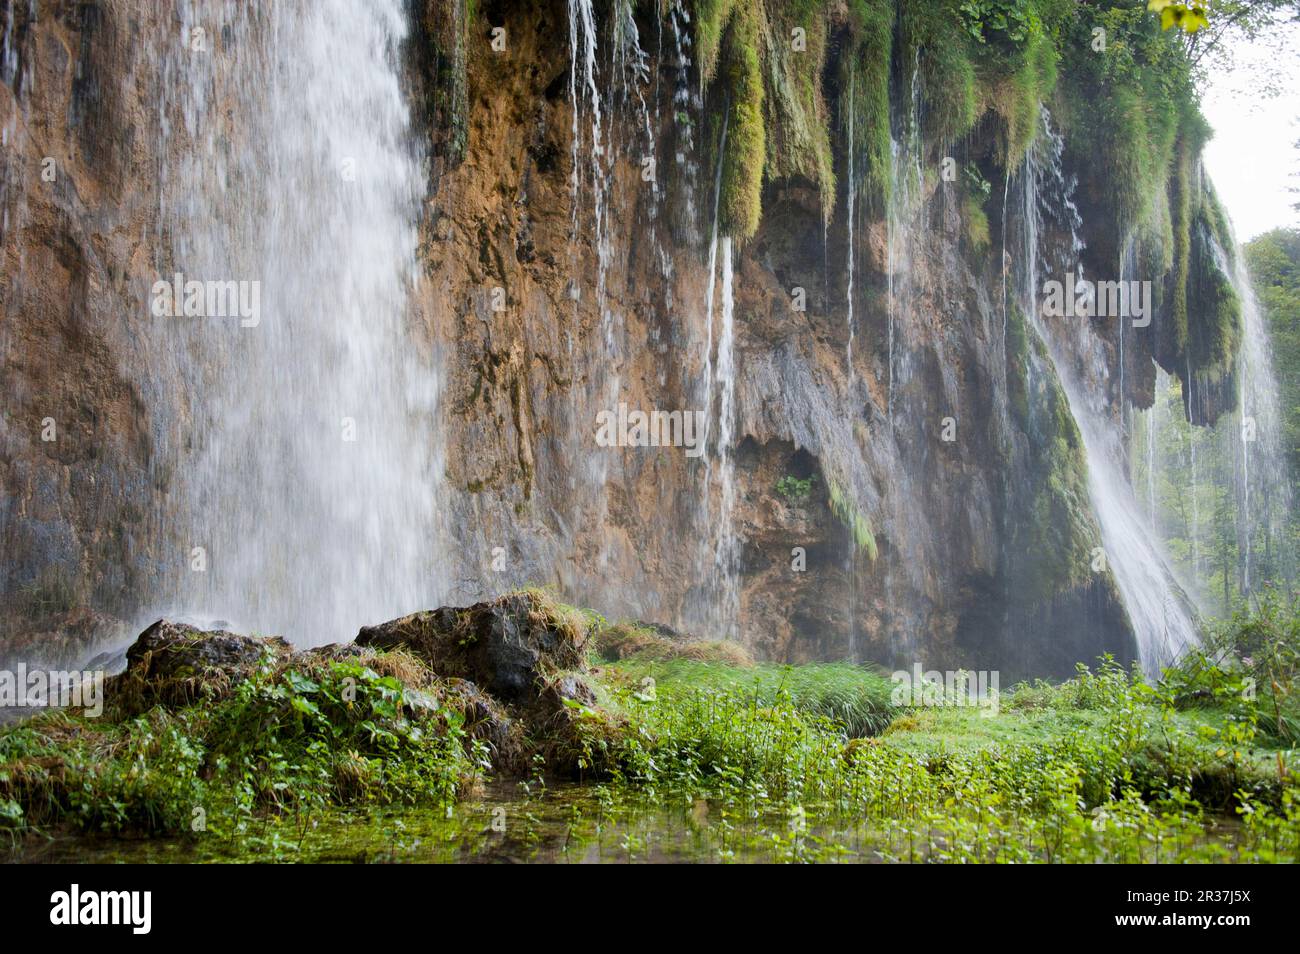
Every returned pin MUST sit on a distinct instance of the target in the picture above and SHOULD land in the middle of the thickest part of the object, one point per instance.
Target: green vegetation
(864, 84)
(1193, 487)
(848, 513)
(284, 744)
(1102, 767)
(1248, 667)
(740, 204)
(795, 489)
(855, 699)
(1125, 108)
(812, 762)
(630, 638)
(1054, 546)
(1193, 490)
(796, 117)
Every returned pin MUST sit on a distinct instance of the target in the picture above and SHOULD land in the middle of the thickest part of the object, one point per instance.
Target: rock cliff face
(80, 508)
(892, 469)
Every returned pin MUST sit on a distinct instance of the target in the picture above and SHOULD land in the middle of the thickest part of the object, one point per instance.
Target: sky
(1252, 158)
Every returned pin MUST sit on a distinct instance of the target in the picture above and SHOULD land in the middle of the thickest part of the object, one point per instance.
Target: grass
(1095, 769)
(286, 741)
(854, 699)
(632, 639)
(1103, 767)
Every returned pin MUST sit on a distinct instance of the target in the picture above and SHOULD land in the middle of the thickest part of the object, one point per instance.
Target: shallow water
(566, 824)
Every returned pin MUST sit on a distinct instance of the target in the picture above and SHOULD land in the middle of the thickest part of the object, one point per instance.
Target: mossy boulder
(510, 646)
(638, 639)
(175, 664)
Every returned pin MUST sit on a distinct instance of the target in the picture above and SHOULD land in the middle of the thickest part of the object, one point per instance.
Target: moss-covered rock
(174, 664)
(631, 639)
(510, 645)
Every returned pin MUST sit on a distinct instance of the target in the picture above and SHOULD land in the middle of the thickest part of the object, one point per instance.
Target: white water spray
(1158, 609)
(305, 473)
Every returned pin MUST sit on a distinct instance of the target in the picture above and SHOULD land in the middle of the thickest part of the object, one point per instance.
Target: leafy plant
(795, 489)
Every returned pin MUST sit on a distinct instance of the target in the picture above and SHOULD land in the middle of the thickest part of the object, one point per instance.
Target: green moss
(741, 78)
(1018, 99)
(1180, 204)
(711, 18)
(1215, 333)
(1056, 532)
(932, 42)
(1203, 303)
(864, 86)
(1125, 110)
(797, 126)
(975, 222)
(846, 510)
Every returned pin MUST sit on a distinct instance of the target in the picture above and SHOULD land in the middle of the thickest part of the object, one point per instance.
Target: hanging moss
(975, 222)
(741, 199)
(1124, 111)
(847, 512)
(798, 130)
(1213, 307)
(1204, 310)
(932, 41)
(711, 19)
(864, 88)
(1056, 532)
(1180, 212)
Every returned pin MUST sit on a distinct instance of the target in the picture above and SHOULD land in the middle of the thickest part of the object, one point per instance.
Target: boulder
(177, 664)
(176, 650)
(509, 646)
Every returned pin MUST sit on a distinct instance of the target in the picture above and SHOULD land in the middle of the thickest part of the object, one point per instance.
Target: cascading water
(1239, 459)
(725, 544)
(905, 180)
(1158, 609)
(306, 467)
(589, 187)
(584, 94)
(717, 604)
(1264, 486)
(685, 100)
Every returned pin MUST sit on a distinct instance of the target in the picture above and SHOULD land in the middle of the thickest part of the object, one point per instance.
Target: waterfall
(850, 225)
(1264, 480)
(1158, 609)
(906, 180)
(685, 98)
(725, 553)
(1196, 492)
(718, 603)
(584, 94)
(707, 378)
(852, 192)
(305, 467)
(1152, 434)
